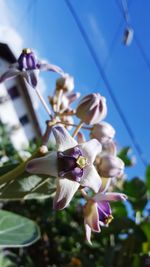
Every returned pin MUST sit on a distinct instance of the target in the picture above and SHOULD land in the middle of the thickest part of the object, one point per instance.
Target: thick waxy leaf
(27, 187)
(148, 178)
(124, 155)
(136, 192)
(17, 231)
(7, 259)
(7, 168)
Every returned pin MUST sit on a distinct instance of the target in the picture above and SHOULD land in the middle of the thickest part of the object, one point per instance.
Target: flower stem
(59, 99)
(43, 102)
(75, 125)
(84, 194)
(77, 129)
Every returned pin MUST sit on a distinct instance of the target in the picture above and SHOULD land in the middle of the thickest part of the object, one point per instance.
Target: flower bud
(65, 83)
(92, 109)
(27, 60)
(109, 148)
(103, 132)
(110, 166)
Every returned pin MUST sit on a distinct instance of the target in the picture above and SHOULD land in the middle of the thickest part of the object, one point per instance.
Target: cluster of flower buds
(88, 166)
(62, 98)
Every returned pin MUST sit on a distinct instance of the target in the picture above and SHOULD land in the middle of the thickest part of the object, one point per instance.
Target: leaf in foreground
(16, 230)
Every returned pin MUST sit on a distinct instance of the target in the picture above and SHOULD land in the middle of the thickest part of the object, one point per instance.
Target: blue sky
(48, 27)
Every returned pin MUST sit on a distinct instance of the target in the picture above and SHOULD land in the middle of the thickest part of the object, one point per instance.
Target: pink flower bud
(92, 109)
(103, 132)
(65, 83)
(110, 166)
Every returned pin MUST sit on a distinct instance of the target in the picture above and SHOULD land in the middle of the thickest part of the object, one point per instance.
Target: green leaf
(7, 260)
(124, 155)
(136, 192)
(148, 178)
(27, 187)
(16, 230)
(7, 168)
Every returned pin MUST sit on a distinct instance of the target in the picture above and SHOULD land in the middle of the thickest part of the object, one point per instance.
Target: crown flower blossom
(28, 67)
(92, 109)
(71, 164)
(97, 211)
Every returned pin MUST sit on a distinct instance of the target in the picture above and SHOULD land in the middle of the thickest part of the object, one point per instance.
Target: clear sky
(48, 27)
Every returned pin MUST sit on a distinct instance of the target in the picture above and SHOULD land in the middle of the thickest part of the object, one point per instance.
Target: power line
(106, 81)
(138, 43)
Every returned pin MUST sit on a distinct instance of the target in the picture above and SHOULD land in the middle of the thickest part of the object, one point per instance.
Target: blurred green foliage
(126, 242)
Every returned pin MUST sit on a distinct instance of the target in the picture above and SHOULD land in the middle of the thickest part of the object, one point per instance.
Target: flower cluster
(87, 166)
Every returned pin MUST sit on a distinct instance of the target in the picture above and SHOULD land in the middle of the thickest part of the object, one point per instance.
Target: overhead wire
(136, 38)
(106, 81)
(112, 46)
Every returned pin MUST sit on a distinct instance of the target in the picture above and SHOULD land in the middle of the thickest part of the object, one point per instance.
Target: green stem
(77, 129)
(13, 174)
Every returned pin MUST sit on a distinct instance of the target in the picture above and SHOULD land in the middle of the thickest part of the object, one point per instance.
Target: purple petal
(65, 192)
(63, 139)
(109, 197)
(104, 211)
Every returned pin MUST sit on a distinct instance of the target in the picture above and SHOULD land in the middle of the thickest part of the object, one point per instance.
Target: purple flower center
(71, 164)
(27, 60)
(104, 212)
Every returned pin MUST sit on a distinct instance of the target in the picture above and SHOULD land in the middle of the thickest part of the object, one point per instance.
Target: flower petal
(31, 76)
(64, 140)
(104, 211)
(11, 73)
(109, 197)
(105, 184)
(64, 193)
(43, 65)
(88, 233)
(91, 178)
(91, 216)
(44, 165)
(90, 149)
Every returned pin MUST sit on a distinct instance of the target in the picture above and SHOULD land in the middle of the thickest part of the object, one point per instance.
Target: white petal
(88, 233)
(91, 178)
(46, 66)
(91, 216)
(109, 197)
(64, 193)
(91, 149)
(105, 184)
(44, 165)
(64, 140)
(11, 73)
(31, 76)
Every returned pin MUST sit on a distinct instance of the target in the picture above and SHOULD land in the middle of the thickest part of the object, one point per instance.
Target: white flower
(72, 164)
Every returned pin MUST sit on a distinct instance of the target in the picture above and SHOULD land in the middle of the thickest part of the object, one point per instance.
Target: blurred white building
(16, 108)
